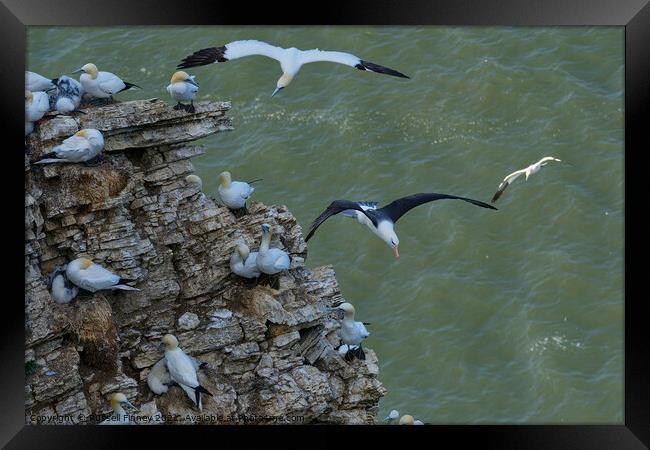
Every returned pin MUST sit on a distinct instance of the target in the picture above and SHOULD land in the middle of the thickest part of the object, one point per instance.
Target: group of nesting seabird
(64, 94)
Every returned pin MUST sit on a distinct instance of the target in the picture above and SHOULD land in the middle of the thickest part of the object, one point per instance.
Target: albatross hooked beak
(277, 89)
(396, 252)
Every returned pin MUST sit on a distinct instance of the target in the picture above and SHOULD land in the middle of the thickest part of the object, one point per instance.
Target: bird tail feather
(50, 161)
(124, 287)
(130, 86)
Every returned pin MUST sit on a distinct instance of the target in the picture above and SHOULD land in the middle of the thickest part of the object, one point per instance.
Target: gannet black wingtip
(203, 57)
(365, 65)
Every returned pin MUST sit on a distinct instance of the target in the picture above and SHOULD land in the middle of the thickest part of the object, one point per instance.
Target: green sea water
(488, 317)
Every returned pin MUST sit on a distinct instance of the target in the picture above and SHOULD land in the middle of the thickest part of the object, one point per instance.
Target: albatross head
(89, 68)
(120, 399)
(170, 342)
(283, 82)
(387, 234)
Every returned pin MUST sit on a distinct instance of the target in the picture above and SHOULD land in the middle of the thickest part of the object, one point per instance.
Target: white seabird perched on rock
(533, 168)
(183, 88)
(61, 289)
(271, 260)
(243, 262)
(234, 194)
(290, 59)
(93, 277)
(159, 380)
(35, 82)
(351, 333)
(382, 220)
(182, 370)
(101, 84)
(407, 419)
(67, 95)
(404, 420)
(36, 105)
(82, 146)
(119, 416)
(195, 179)
(392, 416)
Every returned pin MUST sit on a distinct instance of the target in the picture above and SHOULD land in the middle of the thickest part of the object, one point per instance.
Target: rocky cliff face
(269, 352)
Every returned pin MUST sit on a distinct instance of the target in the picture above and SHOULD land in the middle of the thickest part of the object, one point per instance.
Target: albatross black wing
(401, 206)
(336, 207)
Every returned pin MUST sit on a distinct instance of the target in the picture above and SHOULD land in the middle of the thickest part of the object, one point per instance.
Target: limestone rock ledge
(270, 353)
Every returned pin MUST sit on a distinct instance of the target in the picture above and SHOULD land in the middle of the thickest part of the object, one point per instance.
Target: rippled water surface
(502, 316)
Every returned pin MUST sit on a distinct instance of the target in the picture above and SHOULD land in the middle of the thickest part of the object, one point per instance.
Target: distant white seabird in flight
(101, 84)
(183, 88)
(83, 146)
(352, 333)
(290, 59)
(119, 416)
(533, 168)
(35, 82)
(182, 369)
(243, 262)
(382, 220)
(93, 277)
(271, 260)
(62, 290)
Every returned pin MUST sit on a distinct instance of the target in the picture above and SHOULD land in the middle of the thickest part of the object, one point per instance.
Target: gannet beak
(77, 71)
(396, 252)
(191, 81)
(278, 89)
(128, 403)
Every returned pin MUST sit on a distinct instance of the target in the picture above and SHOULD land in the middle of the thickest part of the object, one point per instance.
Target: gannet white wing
(316, 55)
(505, 183)
(72, 148)
(361, 328)
(35, 82)
(96, 278)
(181, 369)
(110, 83)
(233, 50)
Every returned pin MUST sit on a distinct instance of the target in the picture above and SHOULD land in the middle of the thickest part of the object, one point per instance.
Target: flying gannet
(62, 290)
(82, 146)
(119, 416)
(182, 369)
(36, 105)
(67, 95)
(93, 277)
(271, 260)
(244, 263)
(382, 220)
(101, 84)
(290, 59)
(35, 82)
(234, 193)
(183, 88)
(351, 332)
(533, 168)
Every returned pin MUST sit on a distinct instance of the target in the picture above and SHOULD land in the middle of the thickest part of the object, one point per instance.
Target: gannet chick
(35, 82)
(82, 146)
(36, 105)
(351, 332)
(381, 221)
(93, 277)
(119, 417)
(183, 370)
(290, 59)
(271, 260)
(244, 263)
(183, 88)
(234, 193)
(61, 289)
(392, 416)
(533, 168)
(406, 420)
(101, 84)
(68, 95)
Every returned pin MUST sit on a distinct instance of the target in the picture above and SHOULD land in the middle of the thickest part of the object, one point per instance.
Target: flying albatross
(290, 59)
(382, 220)
(533, 168)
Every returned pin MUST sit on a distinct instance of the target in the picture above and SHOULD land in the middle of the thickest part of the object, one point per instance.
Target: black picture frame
(634, 15)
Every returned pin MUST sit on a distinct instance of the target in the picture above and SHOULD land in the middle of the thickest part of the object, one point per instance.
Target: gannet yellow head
(82, 133)
(170, 342)
(283, 82)
(85, 263)
(179, 76)
(347, 308)
(119, 399)
(194, 179)
(243, 251)
(89, 68)
(406, 420)
(225, 179)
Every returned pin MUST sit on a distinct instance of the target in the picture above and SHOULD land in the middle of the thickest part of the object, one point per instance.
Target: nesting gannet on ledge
(351, 332)
(183, 370)
(159, 379)
(93, 277)
(35, 82)
(195, 179)
(234, 193)
(119, 417)
(533, 168)
(36, 105)
(183, 88)
(101, 84)
(382, 220)
(271, 260)
(82, 146)
(290, 59)
(244, 263)
(68, 95)
(62, 290)
(404, 420)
